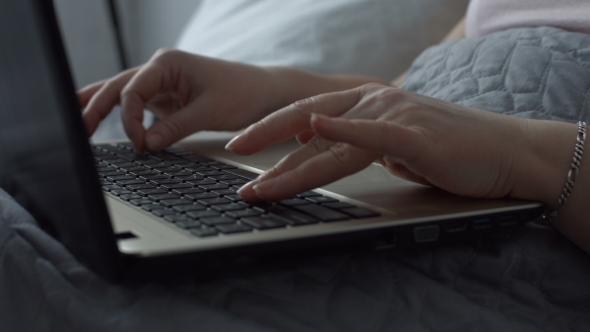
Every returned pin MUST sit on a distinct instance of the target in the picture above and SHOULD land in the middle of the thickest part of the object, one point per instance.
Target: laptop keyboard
(198, 194)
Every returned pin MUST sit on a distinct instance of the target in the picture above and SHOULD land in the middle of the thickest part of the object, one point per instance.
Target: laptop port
(482, 223)
(455, 226)
(507, 221)
(424, 234)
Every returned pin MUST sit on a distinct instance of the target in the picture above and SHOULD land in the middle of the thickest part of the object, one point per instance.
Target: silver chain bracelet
(571, 175)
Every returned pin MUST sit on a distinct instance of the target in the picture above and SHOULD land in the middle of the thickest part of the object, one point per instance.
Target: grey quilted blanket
(532, 280)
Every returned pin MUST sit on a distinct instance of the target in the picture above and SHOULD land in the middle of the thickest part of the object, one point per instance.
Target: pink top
(486, 16)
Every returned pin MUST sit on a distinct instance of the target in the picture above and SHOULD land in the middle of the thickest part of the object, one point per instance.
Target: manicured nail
(265, 187)
(235, 142)
(154, 142)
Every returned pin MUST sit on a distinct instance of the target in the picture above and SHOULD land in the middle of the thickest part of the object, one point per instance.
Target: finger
(292, 120)
(104, 99)
(184, 122)
(335, 163)
(384, 137)
(86, 93)
(305, 136)
(145, 85)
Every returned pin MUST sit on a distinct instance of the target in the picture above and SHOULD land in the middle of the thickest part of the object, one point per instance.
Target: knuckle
(174, 129)
(342, 154)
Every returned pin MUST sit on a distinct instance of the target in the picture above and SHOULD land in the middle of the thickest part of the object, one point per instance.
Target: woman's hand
(465, 151)
(186, 92)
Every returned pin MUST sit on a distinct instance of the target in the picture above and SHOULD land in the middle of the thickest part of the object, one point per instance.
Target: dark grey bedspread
(532, 280)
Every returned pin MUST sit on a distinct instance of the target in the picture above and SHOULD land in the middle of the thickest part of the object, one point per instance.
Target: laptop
(123, 213)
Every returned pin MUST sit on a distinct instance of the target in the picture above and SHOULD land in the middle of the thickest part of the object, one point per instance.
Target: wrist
(543, 165)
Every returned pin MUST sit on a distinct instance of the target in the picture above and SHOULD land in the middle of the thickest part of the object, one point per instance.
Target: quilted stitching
(541, 73)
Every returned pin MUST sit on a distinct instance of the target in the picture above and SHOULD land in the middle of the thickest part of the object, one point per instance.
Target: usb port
(482, 223)
(423, 234)
(455, 226)
(507, 221)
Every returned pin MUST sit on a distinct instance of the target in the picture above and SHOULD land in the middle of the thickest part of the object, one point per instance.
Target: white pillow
(371, 37)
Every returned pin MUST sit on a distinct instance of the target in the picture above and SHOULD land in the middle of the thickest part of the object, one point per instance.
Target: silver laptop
(122, 213)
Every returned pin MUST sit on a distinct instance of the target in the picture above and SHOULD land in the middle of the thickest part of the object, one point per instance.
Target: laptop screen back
(45, 160)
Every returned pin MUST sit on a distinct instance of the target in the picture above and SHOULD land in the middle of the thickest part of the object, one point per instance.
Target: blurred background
(378, 38)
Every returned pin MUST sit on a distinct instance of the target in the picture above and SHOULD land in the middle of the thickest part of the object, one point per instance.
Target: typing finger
(145, 85)
(338, 161)
(104, 99)
(291, 120)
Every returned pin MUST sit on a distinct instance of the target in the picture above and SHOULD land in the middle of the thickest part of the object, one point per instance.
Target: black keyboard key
(177, 218)
(227, 207)
(216, 186)
(242, 173)
(233, 228)
(144, 186)
(234, 197)
(147, 192)
(154, 177)
(212, 221)
(222, 192)
(197, 168)
(141, 201)
(164, 181)
(242, 213)
(112, 187)
(223, 177)
(201, 182)
(214, 201)
(152, 207)
(194, 157)
(125, 165)
(121, 192)
(175, 202)
(308, 194)
(130, 197)
(203, 232)
(291, 217)
(267, 222)
(158, 197)
(322, 213)
(321, 199)
(210, 172)
(187, 191)
(163, 213)
(203, 214)
(181, 173)
(187, 223)
(160, 165)
(129, 182)
(145, 173)
(236, 182)
(358, 212)
(177, 186)
(120, 178)
(294, 201)
(189, 178)
(338, 205)
(171, 169)
(200, 196)
(189, 208)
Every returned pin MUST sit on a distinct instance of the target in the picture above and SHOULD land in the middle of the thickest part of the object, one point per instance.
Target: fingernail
(265, 187)
(154, 142)
(235, 142)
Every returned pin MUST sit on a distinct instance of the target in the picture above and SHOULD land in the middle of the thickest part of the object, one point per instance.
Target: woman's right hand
(187, 92)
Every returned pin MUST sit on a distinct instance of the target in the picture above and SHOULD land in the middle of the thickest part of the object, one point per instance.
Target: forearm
(291, 85)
